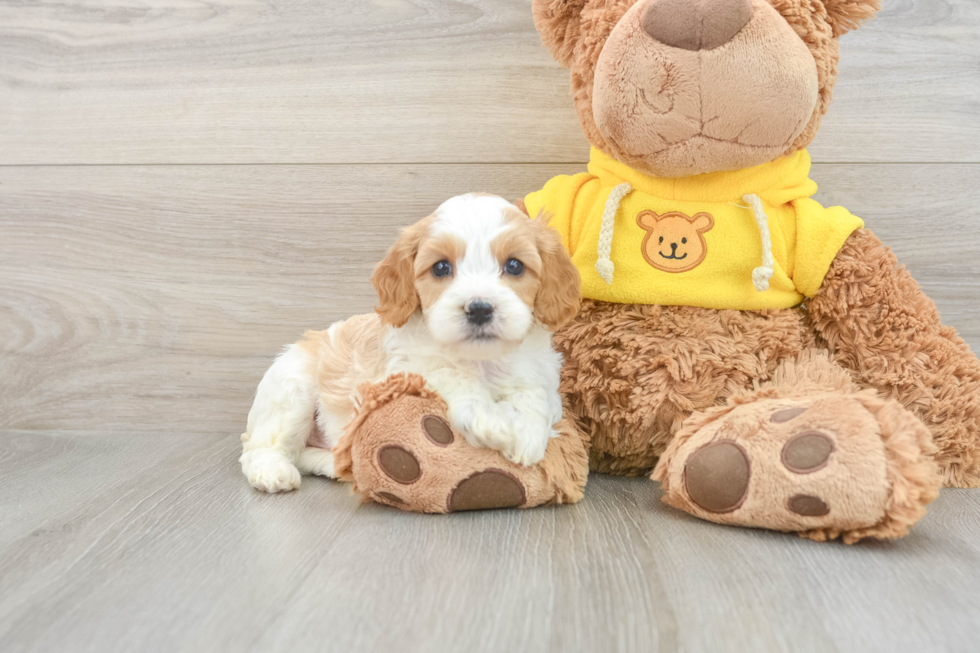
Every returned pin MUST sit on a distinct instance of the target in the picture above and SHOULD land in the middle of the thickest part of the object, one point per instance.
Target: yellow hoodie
(748, 239)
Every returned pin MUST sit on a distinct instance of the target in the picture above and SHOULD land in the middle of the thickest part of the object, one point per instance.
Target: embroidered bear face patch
(674, 242)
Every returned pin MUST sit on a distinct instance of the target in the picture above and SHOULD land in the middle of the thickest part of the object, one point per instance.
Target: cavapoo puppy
(469, 298)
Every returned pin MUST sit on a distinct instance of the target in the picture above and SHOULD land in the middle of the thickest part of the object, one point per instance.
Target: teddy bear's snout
(695, 24)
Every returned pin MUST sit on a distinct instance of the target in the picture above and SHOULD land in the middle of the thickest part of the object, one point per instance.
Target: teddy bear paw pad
(388, 497)
(808, 506)
(717, 476)
(819, 463)
(437, 430)
(787, 414)
(491, 488)
(399, 464)
(807, 452)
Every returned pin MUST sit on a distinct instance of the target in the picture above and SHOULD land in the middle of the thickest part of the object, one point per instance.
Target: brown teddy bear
(765, 356)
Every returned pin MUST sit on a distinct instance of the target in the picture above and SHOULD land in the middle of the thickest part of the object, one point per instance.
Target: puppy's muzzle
(479, 312)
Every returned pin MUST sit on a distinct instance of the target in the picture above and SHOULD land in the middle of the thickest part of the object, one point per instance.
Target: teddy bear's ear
(703, 222)
(558, 23)
(647, 220)
(845, 15)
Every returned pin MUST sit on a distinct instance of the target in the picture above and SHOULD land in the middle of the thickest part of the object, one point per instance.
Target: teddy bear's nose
(695, 24)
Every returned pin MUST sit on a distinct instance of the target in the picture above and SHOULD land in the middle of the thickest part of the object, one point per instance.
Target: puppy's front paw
(480, 423)
(521, 438)
(491, 425)
(529, 440)
(269, 471)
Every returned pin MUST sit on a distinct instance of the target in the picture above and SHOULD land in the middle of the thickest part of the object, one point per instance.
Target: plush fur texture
(634, 372)
(877, 483)
(496, 369)
(679, 112)
(392, 412)
(880, 325)
(577, 32)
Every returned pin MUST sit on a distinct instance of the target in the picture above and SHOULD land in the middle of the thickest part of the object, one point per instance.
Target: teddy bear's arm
(887, 332)
(400, 450)
(515, 427)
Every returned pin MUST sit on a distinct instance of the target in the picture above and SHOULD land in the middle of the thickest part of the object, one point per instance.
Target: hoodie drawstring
(761, 275)
(604, 265)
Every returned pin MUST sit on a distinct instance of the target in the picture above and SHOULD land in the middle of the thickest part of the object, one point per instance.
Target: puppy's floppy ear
(847, 15)
(394, 277)
(558, 22)
(559, 295)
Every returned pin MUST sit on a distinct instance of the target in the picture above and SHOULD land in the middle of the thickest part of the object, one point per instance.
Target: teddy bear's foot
(827, 466)
(400, 450)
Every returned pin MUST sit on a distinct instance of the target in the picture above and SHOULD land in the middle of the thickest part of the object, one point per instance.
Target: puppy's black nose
(673, 247)
(479, 312)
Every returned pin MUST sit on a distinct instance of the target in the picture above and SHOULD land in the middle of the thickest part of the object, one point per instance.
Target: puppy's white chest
(493, 373)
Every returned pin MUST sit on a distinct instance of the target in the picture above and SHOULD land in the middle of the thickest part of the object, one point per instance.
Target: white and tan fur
(499, 378)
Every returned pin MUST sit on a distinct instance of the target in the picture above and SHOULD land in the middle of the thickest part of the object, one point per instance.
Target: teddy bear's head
(681, 87)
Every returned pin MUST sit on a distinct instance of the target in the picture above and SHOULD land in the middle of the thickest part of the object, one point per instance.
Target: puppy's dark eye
(442, 269)
(661, 240)
(684, 241)
(514, 267)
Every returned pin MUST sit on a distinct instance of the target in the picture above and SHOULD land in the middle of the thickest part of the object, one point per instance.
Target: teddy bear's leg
(887, 332)
(400, 450)
(806, 452)
(634, 373)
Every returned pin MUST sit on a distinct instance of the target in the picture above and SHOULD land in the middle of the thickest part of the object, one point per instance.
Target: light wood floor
(187, 186)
